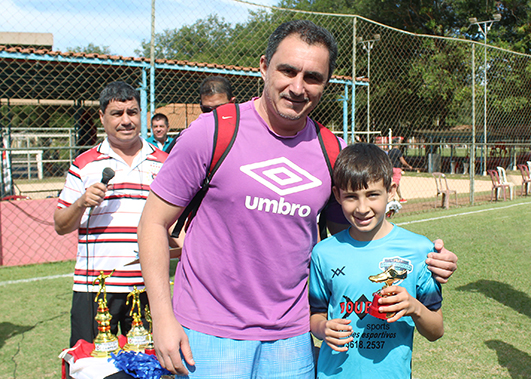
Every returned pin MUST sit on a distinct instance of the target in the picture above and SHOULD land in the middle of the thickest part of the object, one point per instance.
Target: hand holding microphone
(95, 194)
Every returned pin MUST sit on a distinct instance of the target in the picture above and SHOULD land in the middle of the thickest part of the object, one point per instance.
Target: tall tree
(203, 41)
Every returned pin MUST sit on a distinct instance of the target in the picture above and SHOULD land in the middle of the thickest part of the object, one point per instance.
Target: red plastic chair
(497, 185)
(526, 179)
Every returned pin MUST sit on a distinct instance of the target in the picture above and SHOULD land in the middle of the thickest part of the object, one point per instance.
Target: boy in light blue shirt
(355, 343)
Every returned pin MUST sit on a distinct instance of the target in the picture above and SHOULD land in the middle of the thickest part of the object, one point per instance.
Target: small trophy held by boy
(388, 277)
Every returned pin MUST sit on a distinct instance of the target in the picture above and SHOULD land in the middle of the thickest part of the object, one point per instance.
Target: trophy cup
(388, 277)
(137, 337)
(105, 342)
(150, 348)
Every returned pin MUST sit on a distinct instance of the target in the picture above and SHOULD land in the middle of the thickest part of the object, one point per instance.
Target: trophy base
(104, 347)
(373, 308)
(137, 340)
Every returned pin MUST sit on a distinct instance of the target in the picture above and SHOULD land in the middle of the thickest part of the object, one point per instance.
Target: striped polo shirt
(107, 235)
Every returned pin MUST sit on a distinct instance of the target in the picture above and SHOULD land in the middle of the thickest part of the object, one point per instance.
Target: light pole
(484, 27)
(367, 46)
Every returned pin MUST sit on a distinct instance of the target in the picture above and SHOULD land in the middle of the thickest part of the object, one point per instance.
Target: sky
(119, 24)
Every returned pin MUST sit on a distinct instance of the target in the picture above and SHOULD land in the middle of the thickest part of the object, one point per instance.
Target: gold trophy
(150, 348)
(137, 337)
(105, 342)
(388, 277)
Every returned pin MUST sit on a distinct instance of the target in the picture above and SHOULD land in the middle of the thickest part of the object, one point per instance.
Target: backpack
(227, 120)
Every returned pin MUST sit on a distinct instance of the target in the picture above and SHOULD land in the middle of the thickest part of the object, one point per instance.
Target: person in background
(107, 216)
(215, 91)
(397, 160)
(159, 132)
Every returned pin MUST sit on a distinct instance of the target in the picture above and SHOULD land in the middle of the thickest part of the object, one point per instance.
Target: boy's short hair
(360, 164)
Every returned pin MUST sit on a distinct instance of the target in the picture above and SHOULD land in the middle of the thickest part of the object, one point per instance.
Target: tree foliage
(435, 75)
(90, 49)
(448, 18)
(415, 85)
(213, 40)
(203, 41)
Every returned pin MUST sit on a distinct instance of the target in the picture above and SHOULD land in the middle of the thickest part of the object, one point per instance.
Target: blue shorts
(226, 358)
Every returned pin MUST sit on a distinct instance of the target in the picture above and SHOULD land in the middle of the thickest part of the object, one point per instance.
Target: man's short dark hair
(160, 116)
(118, 91)
(215, 84)
(309, 33)
(360, 164)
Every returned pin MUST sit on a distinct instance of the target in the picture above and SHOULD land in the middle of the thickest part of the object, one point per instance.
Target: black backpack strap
(172, 143)
(331, 148)
(227, 121)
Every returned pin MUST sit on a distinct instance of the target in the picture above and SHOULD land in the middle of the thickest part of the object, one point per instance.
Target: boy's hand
(338, 333)
(397, 300)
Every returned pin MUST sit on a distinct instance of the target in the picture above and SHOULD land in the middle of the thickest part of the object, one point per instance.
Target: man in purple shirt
(240, 296)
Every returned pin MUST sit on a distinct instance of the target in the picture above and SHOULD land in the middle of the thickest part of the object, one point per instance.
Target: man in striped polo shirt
(106, 216)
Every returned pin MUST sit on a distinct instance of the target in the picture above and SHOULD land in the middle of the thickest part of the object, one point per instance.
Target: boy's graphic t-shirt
(340, 286)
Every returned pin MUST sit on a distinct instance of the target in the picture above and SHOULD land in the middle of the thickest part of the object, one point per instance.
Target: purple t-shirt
(245, 263)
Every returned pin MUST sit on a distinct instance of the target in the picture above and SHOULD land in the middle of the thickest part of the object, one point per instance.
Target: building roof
(40, 75)
(37, 51)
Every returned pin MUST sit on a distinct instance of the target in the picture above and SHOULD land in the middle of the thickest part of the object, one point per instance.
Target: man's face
(159, 130)
(294, 82)
(211, 102)
(121, 122)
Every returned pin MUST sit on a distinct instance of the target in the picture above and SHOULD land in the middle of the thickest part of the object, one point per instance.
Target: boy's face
(365, 210)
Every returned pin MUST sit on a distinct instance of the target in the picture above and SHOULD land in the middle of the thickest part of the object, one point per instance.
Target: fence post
(143, 103)
(473, 144)
(353, 128)
(345, 114)
(152, 62)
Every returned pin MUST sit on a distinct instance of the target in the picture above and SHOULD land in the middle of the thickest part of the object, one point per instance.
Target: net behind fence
(452, 106)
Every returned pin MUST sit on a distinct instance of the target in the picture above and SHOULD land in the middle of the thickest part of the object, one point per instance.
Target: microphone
(106, 175)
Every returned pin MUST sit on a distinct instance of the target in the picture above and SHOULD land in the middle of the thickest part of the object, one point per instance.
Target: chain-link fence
(452, 106)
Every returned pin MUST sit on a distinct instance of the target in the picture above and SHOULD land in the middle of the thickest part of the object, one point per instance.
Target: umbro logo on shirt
(284, 178)
(281, 176)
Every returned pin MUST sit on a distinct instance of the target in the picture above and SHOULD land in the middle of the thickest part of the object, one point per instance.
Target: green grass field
(487, 306)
